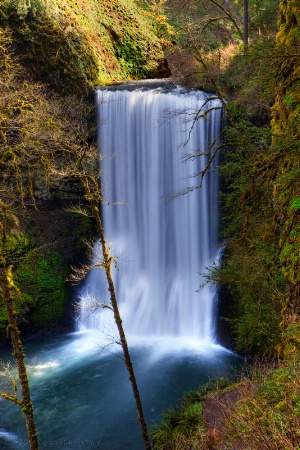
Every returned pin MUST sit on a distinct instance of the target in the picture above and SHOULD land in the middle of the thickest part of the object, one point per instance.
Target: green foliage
(249, 81)
(259, 411)
(286, 107)
(290, 337)
(255, 326)
(26, 7)
(290, 250)
(157, 12)
(210, 47)
(263, 18)
(267, 417)
(177, 427)
(261, 264)
(261, 201)
(42, 271)
(182, 427)
(36, 126)
(17, 245)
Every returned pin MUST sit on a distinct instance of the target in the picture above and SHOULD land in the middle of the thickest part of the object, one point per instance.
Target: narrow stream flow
(79, 384)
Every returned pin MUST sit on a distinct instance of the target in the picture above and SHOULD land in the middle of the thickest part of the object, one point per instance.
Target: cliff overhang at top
(70, 44)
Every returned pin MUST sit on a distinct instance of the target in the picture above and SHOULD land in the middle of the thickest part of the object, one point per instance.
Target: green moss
(42, 255)
(286, 107)
(18, 243)
(42, 272)
(51, 312)
(77, 44)
(41, 278)
(180, 427)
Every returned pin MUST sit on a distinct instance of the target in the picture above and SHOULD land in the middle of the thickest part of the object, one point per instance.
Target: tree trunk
(246, 25)
(114, 303)
(8, 293)
(14, 333)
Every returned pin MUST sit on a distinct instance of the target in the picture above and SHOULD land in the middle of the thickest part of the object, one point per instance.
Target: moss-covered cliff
(286, 193)
(263, 204)
(42, 246)
(287, 105)
(79, 44)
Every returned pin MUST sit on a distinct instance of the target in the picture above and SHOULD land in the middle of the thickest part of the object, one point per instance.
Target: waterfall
(149, 138)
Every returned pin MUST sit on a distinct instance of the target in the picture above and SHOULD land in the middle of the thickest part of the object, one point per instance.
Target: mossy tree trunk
(94, 197)
(246, 25)
(114, 303)
(8, 293)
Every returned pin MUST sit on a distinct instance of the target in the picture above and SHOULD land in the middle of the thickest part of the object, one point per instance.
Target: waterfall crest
(149, 138)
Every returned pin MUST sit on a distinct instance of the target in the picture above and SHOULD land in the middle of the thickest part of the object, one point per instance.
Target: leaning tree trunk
(93, 195)
(8, 294)
(107, 260)
(246, 25)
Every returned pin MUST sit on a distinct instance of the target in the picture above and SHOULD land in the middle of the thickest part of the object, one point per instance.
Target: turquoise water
(82, 396)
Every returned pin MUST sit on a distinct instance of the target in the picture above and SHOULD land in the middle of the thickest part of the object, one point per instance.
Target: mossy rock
(41, 277)
(51, 241)
(286, 108)
(78, 45)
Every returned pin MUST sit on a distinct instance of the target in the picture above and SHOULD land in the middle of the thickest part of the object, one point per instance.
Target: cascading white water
(163, 245)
